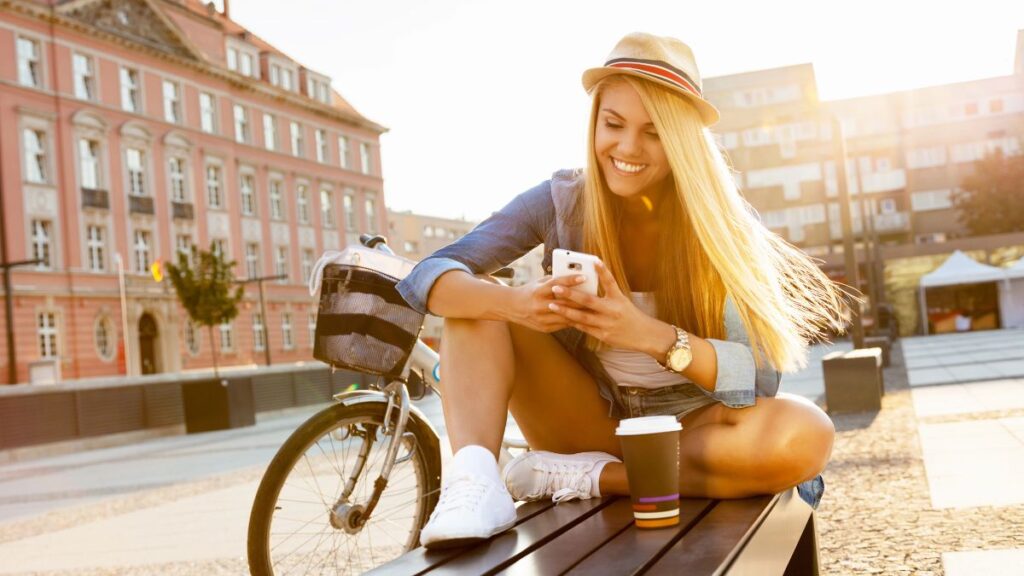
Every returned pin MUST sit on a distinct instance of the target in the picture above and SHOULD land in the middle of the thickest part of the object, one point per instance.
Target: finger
(580, 297)
(608, 283)
(573, 315)
(569, 280)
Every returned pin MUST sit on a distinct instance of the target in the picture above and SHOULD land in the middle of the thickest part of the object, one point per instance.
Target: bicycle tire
(426, 464)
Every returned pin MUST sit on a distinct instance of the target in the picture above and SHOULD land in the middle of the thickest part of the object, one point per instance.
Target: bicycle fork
(351, 517)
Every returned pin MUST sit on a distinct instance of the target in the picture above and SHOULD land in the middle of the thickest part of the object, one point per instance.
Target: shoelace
(463, 492)
(565, 480)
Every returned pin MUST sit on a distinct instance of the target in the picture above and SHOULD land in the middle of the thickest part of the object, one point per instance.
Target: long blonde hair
(782, 297)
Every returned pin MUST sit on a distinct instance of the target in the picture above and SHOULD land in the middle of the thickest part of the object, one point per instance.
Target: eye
(654, 135)
(612, 126)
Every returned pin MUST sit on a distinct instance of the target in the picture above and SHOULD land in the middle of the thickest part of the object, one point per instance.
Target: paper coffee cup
(650, 450)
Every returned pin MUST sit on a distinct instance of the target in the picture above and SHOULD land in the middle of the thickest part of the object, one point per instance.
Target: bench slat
(576, 543)
(775, 540)
(507, 548)
(420, 560)
(633, 549)
(711, 544)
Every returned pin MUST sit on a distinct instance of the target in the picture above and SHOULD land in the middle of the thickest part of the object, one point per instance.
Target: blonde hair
(782, 297)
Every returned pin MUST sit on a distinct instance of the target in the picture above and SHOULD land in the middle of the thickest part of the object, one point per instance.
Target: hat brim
(708, 113)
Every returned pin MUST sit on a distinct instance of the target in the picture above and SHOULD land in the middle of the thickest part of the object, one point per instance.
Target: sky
(483, 99)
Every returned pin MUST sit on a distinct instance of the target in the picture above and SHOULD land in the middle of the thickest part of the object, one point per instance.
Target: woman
(701, 309)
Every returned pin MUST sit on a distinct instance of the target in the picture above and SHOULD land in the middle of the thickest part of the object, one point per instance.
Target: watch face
(680, 359)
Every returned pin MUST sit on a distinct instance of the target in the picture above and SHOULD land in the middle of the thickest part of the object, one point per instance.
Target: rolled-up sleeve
(739, 379)
(494, 243)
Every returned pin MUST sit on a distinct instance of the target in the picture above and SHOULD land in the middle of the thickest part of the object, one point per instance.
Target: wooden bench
(756, 536)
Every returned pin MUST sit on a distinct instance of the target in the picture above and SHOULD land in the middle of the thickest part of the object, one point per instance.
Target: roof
(1017, 270)
(960, 268)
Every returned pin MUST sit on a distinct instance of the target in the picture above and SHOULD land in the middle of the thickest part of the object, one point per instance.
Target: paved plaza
(931, 484)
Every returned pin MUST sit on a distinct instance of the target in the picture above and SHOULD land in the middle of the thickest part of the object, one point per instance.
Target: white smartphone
(569, 263)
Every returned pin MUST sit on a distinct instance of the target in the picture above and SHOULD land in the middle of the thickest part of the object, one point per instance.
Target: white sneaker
(539, 474)
(472, 508)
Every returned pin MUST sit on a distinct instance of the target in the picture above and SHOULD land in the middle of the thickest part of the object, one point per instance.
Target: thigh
(554, 400)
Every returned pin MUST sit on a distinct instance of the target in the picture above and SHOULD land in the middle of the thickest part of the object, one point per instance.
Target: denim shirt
(550, 214)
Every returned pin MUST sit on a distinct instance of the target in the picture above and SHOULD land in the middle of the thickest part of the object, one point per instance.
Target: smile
(626, 167)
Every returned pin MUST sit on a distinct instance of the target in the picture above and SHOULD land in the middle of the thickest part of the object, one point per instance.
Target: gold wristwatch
(680, 355)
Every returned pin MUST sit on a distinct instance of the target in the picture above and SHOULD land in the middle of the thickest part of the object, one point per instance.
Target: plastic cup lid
(648, 425)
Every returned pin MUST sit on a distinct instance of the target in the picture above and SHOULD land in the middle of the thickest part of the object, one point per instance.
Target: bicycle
(320, 504)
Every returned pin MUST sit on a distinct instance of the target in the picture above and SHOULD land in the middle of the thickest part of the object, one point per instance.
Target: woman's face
(628, 149)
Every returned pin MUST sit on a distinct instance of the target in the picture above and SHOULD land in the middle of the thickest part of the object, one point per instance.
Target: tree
(991, 201)
(206, 288)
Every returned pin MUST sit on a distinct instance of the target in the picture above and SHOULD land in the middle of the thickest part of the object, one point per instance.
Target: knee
(799, 444)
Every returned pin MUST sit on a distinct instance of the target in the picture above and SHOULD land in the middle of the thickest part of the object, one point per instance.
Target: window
(995, 105)
(302, 203)
(41, 242)
(326, 209)
(130, 100)
(136, 172)
(47, 331)
(214, 197)
(307, 264)
(30, 70)
(95, 243)
(183, 245)
(241, 124)
(411, 247)
(269, 132)
(259, 342)
(296, 132)
(246, 185)
(227, 337)
(887, 205)
(343, 152)
(104, 346)
(252, 260)
(281, 76)
(286, 330)
(321, 146)
(428, 231)
(219, 247)
(350, 213)
(176, 169)
(191, 338)
(364, 157)
(286, 79)
(281, 263)
(89, 163)
(232, 59)
(172, 102)
(276, 200)
(246, 67)
(207, 113)
(931, 200)
(370, 205)
(311, 326)
(35, 155)
(85, 77)
(141, 251)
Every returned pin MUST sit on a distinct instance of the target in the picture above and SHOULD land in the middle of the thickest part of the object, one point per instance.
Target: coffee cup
(650, 450)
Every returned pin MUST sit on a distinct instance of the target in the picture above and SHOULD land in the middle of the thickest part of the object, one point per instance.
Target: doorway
(148, 334)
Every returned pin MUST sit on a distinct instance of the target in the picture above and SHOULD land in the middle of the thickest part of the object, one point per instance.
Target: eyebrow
(620, 117)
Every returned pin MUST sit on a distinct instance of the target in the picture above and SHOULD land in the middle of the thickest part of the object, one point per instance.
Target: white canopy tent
(960, 269)
(1014, 303)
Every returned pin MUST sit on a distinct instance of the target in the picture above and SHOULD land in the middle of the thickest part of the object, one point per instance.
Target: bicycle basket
(363, 323)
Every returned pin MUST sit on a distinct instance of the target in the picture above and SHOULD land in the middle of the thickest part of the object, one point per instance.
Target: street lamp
(263, 308)
(12, 359)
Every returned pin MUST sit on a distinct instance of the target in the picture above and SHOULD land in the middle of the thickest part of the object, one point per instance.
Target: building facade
(133, 130)
(907, 152)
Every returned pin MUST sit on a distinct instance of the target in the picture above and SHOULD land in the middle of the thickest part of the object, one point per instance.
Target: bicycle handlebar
(378, 242)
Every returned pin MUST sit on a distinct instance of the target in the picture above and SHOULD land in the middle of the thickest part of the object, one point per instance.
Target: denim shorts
(677, 400)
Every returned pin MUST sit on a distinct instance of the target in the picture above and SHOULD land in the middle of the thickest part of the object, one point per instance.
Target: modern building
(907, 152)
(133, 130)
(417, 236)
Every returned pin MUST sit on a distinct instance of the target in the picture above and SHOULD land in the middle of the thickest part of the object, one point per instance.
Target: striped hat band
(658, 69)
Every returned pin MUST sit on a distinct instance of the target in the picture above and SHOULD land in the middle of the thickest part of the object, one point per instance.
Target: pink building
(131, 130)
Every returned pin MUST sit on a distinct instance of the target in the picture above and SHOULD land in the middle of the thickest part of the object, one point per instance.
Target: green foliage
(991, 201)
(206, 287)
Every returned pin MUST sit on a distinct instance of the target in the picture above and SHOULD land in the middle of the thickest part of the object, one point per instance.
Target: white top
(637, 369)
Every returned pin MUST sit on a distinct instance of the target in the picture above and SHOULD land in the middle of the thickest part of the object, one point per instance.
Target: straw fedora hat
(660, 59)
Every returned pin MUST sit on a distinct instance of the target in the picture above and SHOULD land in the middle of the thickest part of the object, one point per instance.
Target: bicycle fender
(363, 396)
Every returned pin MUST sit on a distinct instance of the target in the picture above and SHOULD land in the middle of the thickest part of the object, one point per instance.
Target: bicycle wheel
(296, 525)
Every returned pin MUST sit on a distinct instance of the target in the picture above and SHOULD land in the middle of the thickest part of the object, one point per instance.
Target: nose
(629, 146)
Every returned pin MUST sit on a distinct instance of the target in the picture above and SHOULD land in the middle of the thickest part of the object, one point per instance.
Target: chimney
(227, 12)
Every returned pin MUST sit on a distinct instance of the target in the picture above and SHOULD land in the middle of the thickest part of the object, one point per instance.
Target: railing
(93, 198)
(893, 222)
(182, 210)
(140, 205)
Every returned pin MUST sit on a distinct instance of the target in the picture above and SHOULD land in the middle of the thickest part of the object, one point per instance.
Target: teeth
(634, 168)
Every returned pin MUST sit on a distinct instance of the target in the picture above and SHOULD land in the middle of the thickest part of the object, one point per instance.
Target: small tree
(990, 200)
(206, 289)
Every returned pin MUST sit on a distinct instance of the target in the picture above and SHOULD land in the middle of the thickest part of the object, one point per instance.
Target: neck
(645, 207)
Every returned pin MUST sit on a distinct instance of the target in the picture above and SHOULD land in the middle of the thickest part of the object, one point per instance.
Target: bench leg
(805, 558)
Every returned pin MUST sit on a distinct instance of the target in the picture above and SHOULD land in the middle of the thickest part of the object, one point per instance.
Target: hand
(530, 303)
(612, 319)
